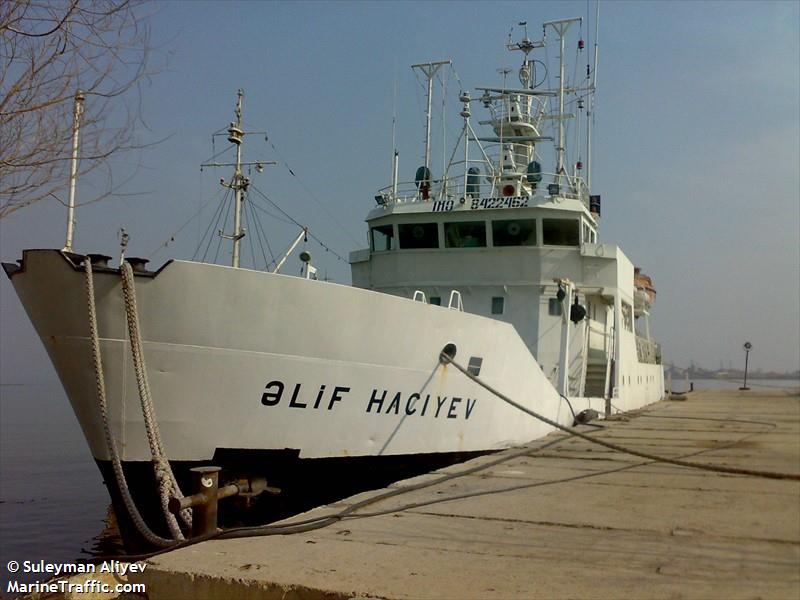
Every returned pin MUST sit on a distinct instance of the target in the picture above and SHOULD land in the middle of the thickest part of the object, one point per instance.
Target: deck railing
(489, 184)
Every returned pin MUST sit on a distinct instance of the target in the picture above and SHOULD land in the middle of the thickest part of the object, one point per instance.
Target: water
(53, 504)
(52, 500)
(679, 384)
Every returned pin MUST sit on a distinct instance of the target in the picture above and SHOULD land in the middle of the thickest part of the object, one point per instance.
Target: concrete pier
(566, 519)
(562, 518)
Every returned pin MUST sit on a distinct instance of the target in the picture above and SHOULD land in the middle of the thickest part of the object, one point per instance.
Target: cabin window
(419, 235)
(515, 232)
(554, 307)
(585, 233)
(498, 305)
(560, 232)
(468, 234)
(437, 300)
(474, 366)
(382, 238)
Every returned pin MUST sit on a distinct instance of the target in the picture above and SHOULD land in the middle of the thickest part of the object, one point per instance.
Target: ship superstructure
(497, 236)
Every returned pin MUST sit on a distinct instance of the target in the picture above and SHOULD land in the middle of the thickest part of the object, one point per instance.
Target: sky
(697, 147)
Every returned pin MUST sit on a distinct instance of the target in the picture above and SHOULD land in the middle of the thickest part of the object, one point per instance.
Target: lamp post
(747, 346)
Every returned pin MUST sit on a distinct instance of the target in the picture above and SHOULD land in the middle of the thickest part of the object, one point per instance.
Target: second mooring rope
(164, 476)
(445, 358)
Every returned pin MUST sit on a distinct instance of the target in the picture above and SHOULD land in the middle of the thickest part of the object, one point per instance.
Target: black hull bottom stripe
(305, 484)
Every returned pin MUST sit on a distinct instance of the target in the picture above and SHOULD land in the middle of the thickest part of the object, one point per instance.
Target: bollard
(203, 502)
(205, 482)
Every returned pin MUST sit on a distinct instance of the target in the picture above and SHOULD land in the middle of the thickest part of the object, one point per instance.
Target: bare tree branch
(50, 49)
(53, 30)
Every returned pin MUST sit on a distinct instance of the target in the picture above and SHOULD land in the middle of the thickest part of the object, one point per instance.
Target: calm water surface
(52, 499)
(53, 504)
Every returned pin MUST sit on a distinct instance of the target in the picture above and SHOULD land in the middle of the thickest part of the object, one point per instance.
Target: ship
(495, 263)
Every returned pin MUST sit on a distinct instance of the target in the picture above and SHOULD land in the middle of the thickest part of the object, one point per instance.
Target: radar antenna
(525, 45)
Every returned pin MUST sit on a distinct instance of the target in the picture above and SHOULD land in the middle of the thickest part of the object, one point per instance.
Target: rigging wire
(453, 133)
(211, 225)
(269, 214)
(247, 229)
(283, 253)
(272, 215)
(213, 156)
(422, 114)
(261, 236)
(222, 231)
(311, 193)
(288, 216)
(172, 237)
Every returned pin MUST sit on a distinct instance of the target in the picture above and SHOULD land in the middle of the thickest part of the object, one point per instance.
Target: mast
(466, 113)
(593, 88)
(238, 183)
(429, 69)
(235, 136)
(561, 27)
(73, 173)
(395, 153)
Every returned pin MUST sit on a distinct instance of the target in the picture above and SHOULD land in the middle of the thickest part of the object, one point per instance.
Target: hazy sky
(696, 156)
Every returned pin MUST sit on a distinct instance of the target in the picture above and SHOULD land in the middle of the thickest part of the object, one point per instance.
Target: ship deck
(565, 519)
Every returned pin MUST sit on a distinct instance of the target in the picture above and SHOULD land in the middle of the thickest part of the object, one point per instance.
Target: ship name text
(449, 407)
(380, 401)
(273, 392)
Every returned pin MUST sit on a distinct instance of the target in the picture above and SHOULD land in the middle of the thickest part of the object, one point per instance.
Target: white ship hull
(221, 343)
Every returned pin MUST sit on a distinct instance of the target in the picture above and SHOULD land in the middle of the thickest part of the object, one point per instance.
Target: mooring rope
(446, 359)
(167, 484)
(119, 474)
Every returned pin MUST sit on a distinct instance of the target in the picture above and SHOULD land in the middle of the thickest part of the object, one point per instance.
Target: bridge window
(419, 235)
(561, 232)
(468, 234)
(516, 232)
(382, 238)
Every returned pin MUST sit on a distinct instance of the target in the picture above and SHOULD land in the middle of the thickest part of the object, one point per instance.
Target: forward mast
(239, 183)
